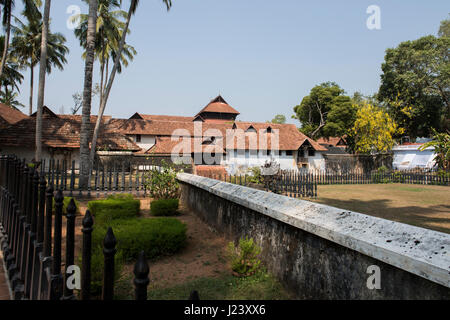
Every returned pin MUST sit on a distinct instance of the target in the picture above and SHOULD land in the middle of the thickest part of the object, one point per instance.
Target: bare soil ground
(422, 206)
(203, 256)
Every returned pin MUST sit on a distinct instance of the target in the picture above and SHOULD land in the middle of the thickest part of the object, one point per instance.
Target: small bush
(114, 208)
(121, 196)
(156, 237)
(244, 259)
(164, 207)
(65, 204)
(97, 268)
(161, 183)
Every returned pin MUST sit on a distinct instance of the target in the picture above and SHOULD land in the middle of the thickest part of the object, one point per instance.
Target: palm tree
(109, 32)
(10, 99)
(105, 95)
(26, 46)
(42, 71)
(11, 78)
(87, 95)
(31, 10)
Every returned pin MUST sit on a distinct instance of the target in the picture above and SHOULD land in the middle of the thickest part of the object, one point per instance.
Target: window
(301, 153)
(289, 153)
(311, 152)
(138, 138)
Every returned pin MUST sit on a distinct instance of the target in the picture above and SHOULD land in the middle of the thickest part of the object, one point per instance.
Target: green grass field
(423, 206)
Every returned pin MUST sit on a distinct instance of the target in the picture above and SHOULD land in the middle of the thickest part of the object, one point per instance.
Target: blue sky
(262, 56)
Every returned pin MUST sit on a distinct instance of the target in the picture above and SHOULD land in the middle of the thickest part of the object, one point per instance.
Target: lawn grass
(261, 286)
(418, 205)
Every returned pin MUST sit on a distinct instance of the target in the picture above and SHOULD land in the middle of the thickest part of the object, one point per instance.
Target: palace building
(214, 138)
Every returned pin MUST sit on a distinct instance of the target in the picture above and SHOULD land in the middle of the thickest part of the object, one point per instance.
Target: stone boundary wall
(322, 252)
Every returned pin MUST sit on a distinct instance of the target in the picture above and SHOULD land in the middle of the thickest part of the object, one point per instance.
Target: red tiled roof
(219, 105)
(166, 146)
(11, 115)
(61, 132)
(139, 116)
(333, 141)
(209, 171)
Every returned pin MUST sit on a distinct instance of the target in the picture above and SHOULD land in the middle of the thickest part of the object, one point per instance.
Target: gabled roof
(11, 115)
(61, 131)
(219, 105)
(332, 141)
(150, 117)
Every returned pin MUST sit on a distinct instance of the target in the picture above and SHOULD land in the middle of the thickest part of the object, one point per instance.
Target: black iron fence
(31, 230)
(413, 176)
(293, 183)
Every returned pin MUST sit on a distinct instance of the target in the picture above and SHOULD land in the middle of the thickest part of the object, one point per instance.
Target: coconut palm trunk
(42, 72)
(31, 88)
(85, 163)
(8, 35)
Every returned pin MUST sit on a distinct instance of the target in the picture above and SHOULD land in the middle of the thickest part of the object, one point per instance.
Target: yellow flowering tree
(374, 130)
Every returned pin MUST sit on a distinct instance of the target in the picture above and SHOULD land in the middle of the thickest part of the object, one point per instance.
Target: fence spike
(141, 280)
(194, 296)
(87, 229)
(109, 251)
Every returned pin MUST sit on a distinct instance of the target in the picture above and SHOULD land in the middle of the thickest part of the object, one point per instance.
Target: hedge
(164, 207)
(65, 204)
(114, 208)
(157, 237)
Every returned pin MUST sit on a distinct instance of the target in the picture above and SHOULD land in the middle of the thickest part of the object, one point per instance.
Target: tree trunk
(105, 96)
(31, 88)
(6, 46)
(85, 163)
(42, 71)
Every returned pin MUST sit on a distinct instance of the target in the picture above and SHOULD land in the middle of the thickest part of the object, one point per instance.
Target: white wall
(252, 159)
(409, 159)
(146, 141)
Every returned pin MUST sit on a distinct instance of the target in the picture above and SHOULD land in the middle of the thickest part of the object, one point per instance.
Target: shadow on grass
(433, 217)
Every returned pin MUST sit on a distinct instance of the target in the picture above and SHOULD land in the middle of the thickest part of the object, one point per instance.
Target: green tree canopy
(326, 112)
(415, 84)
(279, 118)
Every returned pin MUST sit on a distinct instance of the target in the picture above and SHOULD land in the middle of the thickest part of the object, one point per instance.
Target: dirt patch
(203, 256)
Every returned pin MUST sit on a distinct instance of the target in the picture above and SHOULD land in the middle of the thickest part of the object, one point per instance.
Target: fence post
(141, 280)
(194, 296)
(70, 247)
(87, 255)
(56, 277)
(39, 241)
(109, 251)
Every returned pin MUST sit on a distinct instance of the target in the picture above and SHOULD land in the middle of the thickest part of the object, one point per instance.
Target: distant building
(213, 139)
(9, 115)
(408, 156)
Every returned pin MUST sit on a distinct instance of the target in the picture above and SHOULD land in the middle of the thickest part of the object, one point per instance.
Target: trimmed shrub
(157, 237)
(164, 207)
(65, 204)
(113, 209)
(97, 267)
(121, 196)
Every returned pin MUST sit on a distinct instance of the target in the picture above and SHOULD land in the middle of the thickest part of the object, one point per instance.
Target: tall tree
(85, 164)
(42, 71)
(105, 95)
(109, 32)
(415, 84)
(10, 80)
(279, 119)
(31, 10)
(373, 130)
(26, 46)
(326, 112)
